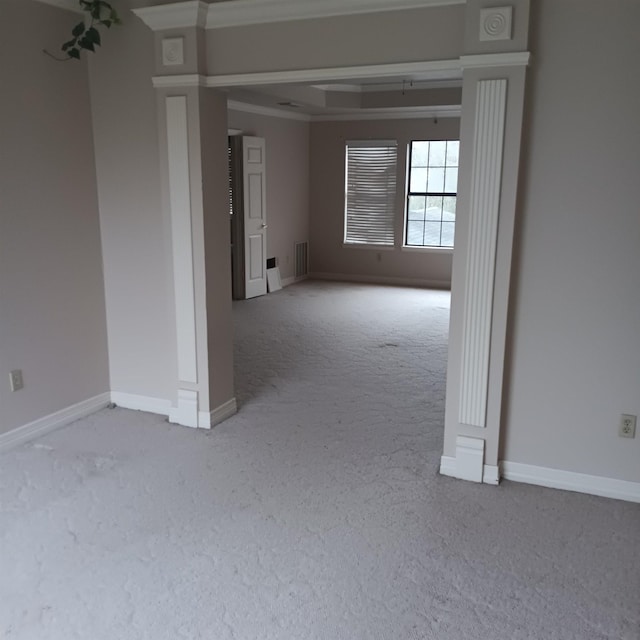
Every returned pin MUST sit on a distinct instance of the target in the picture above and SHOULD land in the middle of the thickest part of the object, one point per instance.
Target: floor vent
(302, 259)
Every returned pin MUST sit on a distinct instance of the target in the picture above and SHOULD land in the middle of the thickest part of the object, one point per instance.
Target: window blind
(370, 192)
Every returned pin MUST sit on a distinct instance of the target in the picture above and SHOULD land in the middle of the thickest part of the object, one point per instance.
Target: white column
(486, 176)
(179, 178)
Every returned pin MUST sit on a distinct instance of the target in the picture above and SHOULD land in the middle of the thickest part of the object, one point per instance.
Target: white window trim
(411, 248)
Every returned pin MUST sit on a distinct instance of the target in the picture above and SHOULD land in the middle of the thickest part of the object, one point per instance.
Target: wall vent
(302, 259)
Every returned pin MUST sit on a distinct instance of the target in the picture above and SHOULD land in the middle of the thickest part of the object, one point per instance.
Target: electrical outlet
(16, 380)
(627, 428)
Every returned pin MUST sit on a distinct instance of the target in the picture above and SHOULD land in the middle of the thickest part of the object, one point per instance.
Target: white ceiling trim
(397, 113)
(177, 15)
(236, 13)
(439, 68)
(71, 5)
(266, 111)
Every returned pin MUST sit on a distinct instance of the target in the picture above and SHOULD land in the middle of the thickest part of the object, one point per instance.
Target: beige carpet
(315, 513)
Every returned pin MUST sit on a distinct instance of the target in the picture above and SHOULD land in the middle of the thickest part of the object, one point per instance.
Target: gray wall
(435, 33)
(52, 310)
(329, 255)
(287, 153)
(575, 332)
(135, 232)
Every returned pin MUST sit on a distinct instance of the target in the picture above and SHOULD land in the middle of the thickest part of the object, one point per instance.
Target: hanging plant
(85, 34)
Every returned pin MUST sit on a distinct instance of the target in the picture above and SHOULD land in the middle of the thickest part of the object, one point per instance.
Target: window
(432, 192)
(370, 192)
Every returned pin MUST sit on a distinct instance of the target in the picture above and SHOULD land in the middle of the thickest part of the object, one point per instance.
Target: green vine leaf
(93, 35)
(86, 36)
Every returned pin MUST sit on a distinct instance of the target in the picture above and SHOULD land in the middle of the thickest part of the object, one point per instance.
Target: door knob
(263, 225)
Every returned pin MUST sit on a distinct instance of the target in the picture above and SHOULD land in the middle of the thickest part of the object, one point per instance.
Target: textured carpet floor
(315, 513)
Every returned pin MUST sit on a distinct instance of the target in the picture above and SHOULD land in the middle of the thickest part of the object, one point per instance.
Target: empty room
(429, 432)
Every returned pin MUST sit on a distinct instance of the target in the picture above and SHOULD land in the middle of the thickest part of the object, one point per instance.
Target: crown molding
(514, 59)
(234, 13)
(177, 15)
(245, 107)
(398, 113)
(437, 69)
(69, 5)
(395, 113)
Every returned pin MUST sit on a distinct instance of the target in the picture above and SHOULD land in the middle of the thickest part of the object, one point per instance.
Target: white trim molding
(141, 403)
(490, 473)
(433, 69)
(245, 107)
(397, 113)
(178, 81)
(177, 15)
(235, 13)
(186, 413)
(246, 12)
(483, 60)
(392, 113)
(421, 283)
(469, 458)
(53, 421)
(208, 419)
(286, 282)
(572, 481)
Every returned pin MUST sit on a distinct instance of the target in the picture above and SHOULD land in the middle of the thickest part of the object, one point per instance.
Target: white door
(255, 217)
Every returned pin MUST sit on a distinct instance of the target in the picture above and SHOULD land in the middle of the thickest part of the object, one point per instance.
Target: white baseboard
(53, 421)
(490, 473)
(219, 414)
(448, 466)
(292, 280)
(141, 403)
(402, 282)
(572, 481)
(186, 412)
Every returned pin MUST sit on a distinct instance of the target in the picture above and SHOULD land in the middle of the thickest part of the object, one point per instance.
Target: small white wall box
(274, 283)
